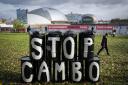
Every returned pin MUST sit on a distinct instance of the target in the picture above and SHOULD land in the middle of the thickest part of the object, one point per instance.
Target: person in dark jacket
(28, 29)
(104, 44)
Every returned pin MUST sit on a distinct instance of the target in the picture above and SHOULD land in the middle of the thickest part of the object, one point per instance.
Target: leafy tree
(119, 21)
(18, 24)
(4, 20)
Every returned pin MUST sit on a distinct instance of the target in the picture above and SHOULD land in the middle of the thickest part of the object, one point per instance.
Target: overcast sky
(102, 9)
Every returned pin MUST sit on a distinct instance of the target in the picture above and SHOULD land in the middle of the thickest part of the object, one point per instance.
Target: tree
(18, 24)
(3, 20)
(119, 21)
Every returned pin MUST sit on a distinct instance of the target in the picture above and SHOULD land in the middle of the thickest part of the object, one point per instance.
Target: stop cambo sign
(59, 57)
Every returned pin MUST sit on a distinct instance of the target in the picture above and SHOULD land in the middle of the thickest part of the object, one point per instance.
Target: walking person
(104, 44)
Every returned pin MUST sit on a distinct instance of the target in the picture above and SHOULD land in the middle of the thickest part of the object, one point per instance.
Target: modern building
(81, 18)
(42, 16)
(56, 20)
(22, 15)
(74, 18)
(88, 19)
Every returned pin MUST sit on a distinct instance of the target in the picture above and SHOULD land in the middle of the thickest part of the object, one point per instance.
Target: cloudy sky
(102, 9)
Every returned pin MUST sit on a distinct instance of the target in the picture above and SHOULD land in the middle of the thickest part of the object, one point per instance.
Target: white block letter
(38, 48)
(54, 39)
(59, 68)
(44, 68)
(76, 67)
(90, 71)
(87, 42)
(71, 55)
(23, 76)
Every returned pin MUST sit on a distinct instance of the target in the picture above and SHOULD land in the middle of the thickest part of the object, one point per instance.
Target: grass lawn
(113, 68)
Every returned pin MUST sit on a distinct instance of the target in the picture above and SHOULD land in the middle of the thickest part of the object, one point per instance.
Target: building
(56, 20)
(41, 17)
(104, 22)
(74, 18)
(81, 18)
(6, 27)
(88, 19)
(22, 15)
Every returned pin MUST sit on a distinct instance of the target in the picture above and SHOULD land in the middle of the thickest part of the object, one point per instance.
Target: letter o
(71, 55)
(90, 71)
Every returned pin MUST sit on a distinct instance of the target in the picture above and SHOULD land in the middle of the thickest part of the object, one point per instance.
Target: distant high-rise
(22, 15)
